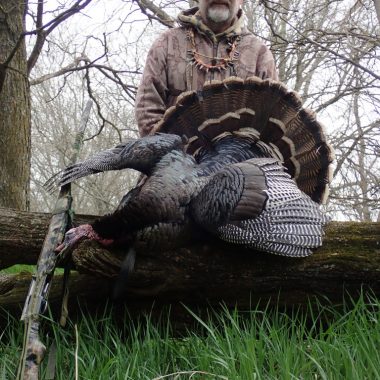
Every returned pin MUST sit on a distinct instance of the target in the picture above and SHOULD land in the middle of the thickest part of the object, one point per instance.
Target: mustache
(219, 3)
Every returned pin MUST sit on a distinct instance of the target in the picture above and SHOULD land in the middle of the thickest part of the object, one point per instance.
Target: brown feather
(259, 110)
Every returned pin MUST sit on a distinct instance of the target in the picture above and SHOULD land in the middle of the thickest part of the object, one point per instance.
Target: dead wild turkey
(240, 159)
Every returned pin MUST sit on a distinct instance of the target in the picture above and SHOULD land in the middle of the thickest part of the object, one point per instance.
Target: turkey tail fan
(267, 211)
(264, 111)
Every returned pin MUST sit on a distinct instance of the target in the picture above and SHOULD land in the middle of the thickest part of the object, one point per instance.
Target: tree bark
(22, 234)
(202, 273)
(14, 108)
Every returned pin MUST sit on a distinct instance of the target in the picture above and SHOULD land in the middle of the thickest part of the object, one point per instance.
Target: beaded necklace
(216, 63)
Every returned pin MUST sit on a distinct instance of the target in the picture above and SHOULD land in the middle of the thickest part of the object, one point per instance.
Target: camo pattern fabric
(167, 68)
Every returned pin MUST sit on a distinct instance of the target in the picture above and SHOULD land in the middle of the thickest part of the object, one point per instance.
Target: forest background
(54, 55)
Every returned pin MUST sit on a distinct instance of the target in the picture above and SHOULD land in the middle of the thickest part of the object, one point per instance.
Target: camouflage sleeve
(152, 93)
(266, 67)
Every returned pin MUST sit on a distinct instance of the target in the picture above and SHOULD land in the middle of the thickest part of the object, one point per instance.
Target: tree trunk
(204, 273)
(14, 108)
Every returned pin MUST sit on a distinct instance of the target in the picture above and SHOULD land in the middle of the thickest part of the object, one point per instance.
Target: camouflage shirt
(170, 68)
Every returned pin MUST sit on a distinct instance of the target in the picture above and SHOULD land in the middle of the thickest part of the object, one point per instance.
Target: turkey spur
(242, 160)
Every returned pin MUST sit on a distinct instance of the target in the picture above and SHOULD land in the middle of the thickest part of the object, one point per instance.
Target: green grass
(24, 268)
(331, 344)
(18, 268)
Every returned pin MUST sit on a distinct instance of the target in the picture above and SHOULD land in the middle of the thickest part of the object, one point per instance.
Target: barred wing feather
(258, 205)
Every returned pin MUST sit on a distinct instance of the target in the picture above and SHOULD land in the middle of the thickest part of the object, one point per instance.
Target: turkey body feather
(240, 172)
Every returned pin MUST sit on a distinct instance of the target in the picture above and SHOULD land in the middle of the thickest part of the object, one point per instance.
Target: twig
(99, 111)
(158, 14)
(319, 45)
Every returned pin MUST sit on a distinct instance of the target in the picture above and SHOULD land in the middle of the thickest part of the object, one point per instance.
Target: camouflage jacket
(170, 67)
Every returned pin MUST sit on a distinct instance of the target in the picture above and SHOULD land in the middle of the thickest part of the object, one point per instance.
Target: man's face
(219, 14)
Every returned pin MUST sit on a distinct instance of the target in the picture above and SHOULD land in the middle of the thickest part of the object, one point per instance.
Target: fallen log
(22, 234)
(201, 273)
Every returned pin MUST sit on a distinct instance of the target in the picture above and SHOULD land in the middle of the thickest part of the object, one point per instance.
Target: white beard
(218, 13)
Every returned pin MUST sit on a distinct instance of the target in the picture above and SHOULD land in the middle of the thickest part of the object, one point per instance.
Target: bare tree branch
(42, 31)
(323, 47)
(158, 14)
(105, 121)
(41, 37)
(75, 66)
(377, 7)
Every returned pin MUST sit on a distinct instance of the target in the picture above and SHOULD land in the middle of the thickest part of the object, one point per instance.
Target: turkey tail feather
(264, 111)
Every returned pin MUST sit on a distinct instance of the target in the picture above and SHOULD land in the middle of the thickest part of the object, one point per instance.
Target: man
(211, 43)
